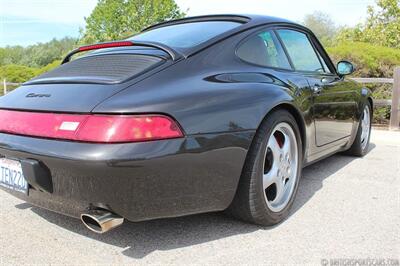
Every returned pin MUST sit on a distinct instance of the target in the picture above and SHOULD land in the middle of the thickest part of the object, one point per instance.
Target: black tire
(249, 203)
(357, 148)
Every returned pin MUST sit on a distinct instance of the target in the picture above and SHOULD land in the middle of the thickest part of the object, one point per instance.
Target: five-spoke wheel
(280, 167)
(271, 173)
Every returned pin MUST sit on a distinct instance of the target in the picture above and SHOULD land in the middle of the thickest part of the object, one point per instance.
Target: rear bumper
(138, 181)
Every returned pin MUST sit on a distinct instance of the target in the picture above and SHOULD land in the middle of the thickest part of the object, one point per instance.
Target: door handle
(317, 89)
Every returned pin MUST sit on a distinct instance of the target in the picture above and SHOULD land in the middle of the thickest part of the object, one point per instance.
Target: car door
(264, 52)
(334, 104)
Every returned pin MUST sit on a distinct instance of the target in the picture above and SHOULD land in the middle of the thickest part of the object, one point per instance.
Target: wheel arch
(366, 97)
(297, 116)
(300, 122)
(296, 113)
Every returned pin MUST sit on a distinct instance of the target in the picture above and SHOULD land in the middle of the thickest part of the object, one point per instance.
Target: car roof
(247, 20)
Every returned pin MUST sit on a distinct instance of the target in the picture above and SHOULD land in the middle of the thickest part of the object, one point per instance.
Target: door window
(300, 51)
(326, 68)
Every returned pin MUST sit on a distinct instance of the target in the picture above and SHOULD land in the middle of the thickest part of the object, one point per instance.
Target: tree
(37, 55)
(382, 26)
(322, 25)
(118, 19)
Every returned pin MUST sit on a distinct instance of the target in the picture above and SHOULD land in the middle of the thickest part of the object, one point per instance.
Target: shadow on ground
(140, 239)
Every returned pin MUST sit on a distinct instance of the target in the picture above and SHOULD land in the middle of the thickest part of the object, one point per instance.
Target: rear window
(113, 68)
(186, 35)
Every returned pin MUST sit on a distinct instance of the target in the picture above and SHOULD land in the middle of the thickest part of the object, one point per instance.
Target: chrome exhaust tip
(101, 221)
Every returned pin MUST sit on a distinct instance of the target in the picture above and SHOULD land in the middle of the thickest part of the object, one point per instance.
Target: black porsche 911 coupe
(194, 115)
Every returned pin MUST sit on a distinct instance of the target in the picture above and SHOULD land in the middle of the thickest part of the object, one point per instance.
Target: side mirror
(345, 68)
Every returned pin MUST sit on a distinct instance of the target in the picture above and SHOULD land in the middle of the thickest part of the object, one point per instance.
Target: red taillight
(90, 128)
(107, 128)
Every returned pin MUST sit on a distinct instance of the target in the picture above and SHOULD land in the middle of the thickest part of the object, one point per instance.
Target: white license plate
(11, 175)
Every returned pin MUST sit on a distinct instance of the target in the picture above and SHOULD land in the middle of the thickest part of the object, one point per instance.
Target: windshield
(186, 35)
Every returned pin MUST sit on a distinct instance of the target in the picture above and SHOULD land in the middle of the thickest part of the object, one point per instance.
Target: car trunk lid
(74, 98)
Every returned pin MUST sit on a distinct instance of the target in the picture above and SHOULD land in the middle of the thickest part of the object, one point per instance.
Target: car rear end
(56, 153)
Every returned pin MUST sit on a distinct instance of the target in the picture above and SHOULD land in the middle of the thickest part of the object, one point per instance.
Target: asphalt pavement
(347, 210)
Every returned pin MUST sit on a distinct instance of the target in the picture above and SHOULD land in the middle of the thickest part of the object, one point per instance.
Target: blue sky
(25, 22)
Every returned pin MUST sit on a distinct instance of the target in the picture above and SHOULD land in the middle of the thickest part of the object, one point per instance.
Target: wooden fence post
(395, 111)
(4, 87)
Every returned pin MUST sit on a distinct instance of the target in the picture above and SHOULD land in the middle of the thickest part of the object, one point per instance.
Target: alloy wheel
(280, 167)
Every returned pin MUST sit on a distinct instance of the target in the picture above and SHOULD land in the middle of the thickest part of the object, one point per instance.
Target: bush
(370, 60)
(17, 73)
(20, 74)
(381, 91)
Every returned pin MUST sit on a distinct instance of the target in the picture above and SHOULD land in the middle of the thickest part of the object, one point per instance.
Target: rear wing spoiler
(175, 55)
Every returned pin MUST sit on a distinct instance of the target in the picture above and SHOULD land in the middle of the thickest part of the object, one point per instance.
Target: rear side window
(186, 35)
(300, 51)
(264, 49)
